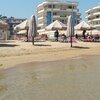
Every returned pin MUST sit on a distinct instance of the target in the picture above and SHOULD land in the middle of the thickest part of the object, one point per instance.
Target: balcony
(39, 25)
(96, 19)
(98, 25)
(54, 9)
(70, 10)
(56, 16)
(41, 11)
(97, 13)
(88, 16)
(40, 18)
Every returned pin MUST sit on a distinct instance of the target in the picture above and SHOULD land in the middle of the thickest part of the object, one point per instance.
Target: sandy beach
(49, 71)
(17, 52)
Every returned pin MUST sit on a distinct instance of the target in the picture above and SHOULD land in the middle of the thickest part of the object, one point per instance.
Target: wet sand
(77, 78)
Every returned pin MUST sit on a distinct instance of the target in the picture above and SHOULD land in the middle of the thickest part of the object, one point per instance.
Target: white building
(93, 17)
(52, 10)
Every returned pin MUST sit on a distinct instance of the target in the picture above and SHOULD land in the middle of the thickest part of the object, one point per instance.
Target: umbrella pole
(33, 40)
(27, 35)
(71, 39)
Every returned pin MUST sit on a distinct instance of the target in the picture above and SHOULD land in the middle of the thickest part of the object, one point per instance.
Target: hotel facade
(93, 17)
(49, 11)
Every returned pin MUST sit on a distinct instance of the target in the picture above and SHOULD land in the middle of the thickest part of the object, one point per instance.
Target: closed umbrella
(32, 28)
(70, 28)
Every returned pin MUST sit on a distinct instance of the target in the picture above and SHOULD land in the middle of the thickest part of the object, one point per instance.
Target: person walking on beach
(84, 31)
(56, 34)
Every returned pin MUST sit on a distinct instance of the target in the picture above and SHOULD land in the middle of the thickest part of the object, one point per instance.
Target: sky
(25, 8)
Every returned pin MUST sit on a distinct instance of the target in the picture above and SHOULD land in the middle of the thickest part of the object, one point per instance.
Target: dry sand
(17, 52)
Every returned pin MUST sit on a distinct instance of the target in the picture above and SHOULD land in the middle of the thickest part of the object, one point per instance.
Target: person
(76, 36)
(56, 34)
(84, 31)
(64, 37)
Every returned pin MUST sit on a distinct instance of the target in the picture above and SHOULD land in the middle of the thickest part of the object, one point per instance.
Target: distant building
(93, 17)
(12, 22)
(52, 10)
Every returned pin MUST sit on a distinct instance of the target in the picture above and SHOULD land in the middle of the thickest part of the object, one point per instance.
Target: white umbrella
(82, 26)
(70, 28)
(32, 28)
(22, 32)
(22, 26)
(56, 25)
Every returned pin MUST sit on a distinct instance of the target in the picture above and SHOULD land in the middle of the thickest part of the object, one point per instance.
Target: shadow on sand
(41, 45)
(80, 47)
(7, 41)
(8, 45)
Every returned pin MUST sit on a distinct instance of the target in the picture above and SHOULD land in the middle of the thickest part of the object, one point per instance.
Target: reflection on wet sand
(74, 79)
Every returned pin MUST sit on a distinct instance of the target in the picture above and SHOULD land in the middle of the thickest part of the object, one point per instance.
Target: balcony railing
(96, 19)
(56, 16)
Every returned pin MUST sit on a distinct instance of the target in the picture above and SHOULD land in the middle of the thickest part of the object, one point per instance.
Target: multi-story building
(51, 10)
(93, 17)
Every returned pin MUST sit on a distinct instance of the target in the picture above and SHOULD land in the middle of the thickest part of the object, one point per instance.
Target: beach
(17, 52)
(49, 71)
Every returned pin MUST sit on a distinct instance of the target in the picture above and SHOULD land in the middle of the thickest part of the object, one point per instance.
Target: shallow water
(74, 79)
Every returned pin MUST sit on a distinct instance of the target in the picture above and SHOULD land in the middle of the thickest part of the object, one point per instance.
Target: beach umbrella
(22, 26)
(32, 28)
(22, 32)
(70, 28)
(56, 25)
(3, 25)
(82, 26)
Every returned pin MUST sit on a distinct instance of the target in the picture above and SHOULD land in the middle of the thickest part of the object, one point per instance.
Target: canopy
(3, 25)
(22, 26)
(22, 32)
(56, 25)
(82, 26)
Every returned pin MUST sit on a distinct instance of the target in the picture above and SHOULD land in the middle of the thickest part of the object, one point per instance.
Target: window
(97, 16)
(70, 7)
(96, 23)
(53, 6)
(49, 6)
(54, 13)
